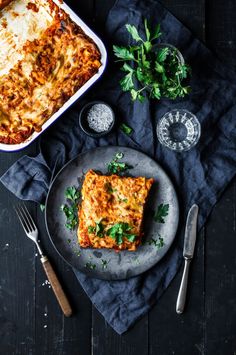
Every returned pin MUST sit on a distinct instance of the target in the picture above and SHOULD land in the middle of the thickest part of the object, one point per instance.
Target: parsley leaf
(127, 82)
(159, 243)
(148, 46)
(162, 54)
(119, 155)
(108, 188)
(70, 210)
(116, 167)
(147, 31)
(156, 93)
(90, 265)
(161, 213)
(120, 231)
(42, 207)
(71, 216)
(127, 68)
(159, 68)
(134, 32)
(104, 264)
(157, 32)
(125, 200)
(91, 229)
(131, 237)
(123, 53)
(126, 129)
(72, 193)
(97, 230)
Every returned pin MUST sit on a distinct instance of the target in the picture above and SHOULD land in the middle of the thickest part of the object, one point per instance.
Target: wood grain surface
(30, 320)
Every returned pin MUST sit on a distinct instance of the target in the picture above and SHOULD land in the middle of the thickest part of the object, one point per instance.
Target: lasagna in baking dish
(4, 3)
(44, 59)
(111, 212)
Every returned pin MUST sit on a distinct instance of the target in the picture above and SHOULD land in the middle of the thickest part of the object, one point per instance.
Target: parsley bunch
(151, 69)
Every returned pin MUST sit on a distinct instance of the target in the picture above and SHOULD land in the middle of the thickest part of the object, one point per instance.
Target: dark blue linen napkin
(199, 175)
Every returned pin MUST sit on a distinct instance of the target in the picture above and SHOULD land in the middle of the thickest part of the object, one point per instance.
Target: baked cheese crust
(112, 205)
(44, 59)
(4, 3)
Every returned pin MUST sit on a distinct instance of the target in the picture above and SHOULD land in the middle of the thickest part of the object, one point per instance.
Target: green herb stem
(159, 71)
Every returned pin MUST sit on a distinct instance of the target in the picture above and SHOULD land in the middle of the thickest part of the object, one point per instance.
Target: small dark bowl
(83, 122)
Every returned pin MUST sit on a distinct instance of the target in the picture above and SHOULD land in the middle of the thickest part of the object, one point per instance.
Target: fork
(32, 232)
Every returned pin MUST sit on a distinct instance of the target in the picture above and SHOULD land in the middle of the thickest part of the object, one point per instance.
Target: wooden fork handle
(56, 286)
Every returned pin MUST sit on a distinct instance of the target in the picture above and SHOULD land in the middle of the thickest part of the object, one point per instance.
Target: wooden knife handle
(56, 286)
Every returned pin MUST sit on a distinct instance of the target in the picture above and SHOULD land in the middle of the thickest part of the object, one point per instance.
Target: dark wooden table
(30, 319)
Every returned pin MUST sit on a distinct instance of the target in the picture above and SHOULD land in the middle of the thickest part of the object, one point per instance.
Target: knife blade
(190, 232)
(189, 245)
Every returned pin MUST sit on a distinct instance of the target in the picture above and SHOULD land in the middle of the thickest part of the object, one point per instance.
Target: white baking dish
(100, 45)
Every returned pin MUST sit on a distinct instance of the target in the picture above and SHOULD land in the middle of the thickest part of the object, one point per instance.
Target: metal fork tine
(29, 218)
(26, 218)
(22, 219)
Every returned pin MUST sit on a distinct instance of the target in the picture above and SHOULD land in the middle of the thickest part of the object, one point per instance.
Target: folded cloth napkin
(200, 175)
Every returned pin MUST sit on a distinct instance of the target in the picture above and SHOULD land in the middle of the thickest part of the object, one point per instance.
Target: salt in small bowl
(84, 124)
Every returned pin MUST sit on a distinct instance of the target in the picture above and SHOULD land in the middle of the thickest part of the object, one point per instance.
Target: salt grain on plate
(100, 118)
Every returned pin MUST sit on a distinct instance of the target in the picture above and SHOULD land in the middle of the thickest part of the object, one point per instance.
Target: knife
(189, 244)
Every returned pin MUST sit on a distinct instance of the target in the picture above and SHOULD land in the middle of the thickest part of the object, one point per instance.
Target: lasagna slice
(111, 212)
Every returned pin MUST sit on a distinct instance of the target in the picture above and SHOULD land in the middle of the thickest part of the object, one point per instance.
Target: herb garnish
(161, 213)
(154, 70)
(136, 259)
(119, 155)
(42, 207)
(109, 188)
(90, 265)
(126, 129)
(125, 200)
(159, 243)
(115, 166)
(70, 210)
(91, 229)
(104, 264)
(72, 193)
(97, 230)
(120, 231)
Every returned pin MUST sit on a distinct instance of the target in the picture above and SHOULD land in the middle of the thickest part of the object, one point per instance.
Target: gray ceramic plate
(102, 263)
